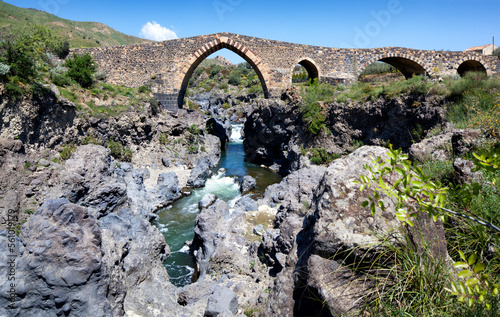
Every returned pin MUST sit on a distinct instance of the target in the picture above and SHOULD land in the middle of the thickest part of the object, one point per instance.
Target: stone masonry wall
(169, 64)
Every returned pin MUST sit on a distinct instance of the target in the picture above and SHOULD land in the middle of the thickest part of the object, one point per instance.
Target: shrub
(255, 89)
(234, 79)
(60, 80)
(119, 152)
(100, 76)
(193, 129)
(66, 151)
(13, 90)
(321, 156)
(215, 71)
(312, 113)
(90, 139)
(21, 63)
(155, 105)
(61, 49)
(143, 89)
(81, 69)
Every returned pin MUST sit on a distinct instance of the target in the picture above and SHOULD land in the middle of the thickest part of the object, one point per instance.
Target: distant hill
(78, 34)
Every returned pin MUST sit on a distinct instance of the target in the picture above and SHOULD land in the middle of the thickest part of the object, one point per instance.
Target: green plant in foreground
(414, 193)
(477, 287)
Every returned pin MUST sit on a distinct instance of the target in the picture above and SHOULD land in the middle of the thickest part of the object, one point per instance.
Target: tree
(81, 69)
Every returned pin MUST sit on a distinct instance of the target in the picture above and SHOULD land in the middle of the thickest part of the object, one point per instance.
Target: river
(176, 222)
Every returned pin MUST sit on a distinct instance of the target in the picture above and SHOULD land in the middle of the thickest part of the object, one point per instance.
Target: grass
(412, 283)
(478, 106)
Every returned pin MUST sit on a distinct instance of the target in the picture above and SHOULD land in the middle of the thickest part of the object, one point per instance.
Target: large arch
(407, 65)
(208, 49)
(311, 67)
(471, 65)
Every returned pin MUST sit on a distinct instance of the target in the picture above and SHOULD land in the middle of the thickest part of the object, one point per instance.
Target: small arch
(471, 66)
(310, 66)
(408, 67)
(208, 49)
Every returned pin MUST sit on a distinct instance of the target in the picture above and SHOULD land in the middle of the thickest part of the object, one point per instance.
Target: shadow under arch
(471, 66)
(207, 50)
(405, 65)
(310, 66)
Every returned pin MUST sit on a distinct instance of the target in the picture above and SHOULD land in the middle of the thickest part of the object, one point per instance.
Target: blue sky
(423, 24)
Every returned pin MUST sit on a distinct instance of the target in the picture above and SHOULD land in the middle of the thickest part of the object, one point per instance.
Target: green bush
(155, 106)
(472, 224)
(143, 89)
(61, 49)
(119, 152)
(13, 90)
(235, 78)
(321, 156)
(60, 80)
(90, 139)
(81, 69)
(215, 71)
(66, 151)
(21, 62)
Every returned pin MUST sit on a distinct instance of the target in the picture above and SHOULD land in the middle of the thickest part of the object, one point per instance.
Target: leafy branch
(414, 193)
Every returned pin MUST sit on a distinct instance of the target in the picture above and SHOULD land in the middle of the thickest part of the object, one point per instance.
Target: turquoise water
(177, 221)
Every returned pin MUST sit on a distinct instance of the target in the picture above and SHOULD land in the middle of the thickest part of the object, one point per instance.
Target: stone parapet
(170, 64)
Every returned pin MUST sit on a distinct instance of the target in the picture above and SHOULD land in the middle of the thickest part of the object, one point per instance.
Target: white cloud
(154, 31)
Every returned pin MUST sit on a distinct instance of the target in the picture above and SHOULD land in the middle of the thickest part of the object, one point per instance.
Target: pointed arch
(207, 49)
(406, 64)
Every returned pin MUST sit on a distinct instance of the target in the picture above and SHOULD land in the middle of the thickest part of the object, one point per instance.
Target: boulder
(294, 193)
(61, 264)
(207, 201)
(463, 169)
(222, 300)
(245, 204)
(221, 129)
(168, 189)
(248, 183)
(195, 292)
(87, 181)
(165, 162)
(200, 174)
(133, 254)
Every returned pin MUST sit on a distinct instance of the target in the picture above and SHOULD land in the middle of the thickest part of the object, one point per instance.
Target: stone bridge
(170, 64)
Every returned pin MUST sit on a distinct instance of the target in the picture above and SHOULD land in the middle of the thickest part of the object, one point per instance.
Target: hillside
(78, 34)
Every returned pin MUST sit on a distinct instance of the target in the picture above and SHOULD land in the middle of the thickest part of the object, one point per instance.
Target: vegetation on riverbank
(415, 285)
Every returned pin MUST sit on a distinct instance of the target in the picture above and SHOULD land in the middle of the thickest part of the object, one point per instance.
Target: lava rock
(222, 300)
(247, 184)
(207, 201)
(200, 174)
(61, 264)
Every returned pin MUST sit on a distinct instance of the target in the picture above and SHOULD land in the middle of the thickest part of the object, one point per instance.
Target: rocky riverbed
(83, 243)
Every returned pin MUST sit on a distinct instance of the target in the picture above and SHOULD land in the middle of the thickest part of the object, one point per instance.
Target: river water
(176, 222)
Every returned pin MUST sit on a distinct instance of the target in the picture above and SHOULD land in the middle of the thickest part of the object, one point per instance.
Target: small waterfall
(176, 222)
